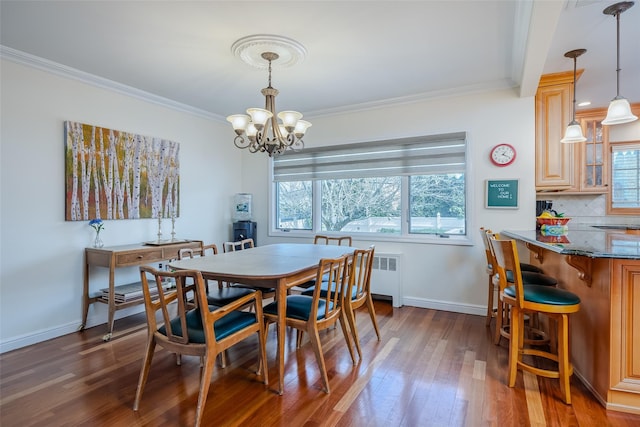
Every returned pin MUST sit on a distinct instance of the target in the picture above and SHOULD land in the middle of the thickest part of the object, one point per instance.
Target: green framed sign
(501, 193)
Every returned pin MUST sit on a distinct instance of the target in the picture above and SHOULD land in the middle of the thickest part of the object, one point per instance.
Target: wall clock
(503, 155)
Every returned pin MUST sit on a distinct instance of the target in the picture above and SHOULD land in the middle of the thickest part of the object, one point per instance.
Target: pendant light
(574, 130)
(619, 109)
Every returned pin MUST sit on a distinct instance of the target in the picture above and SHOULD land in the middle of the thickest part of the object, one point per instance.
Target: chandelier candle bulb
(289, 119)
(239, 122)
(259, 117)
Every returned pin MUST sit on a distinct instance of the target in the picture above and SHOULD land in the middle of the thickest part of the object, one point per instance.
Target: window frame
(610, 209)
(403, 237)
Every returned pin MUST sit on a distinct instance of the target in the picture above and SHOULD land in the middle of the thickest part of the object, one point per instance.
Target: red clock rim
(503, 164)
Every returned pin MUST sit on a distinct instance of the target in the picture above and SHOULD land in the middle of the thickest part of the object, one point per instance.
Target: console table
(114, 257)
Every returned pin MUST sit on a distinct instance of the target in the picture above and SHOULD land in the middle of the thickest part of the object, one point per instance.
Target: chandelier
(259, 130)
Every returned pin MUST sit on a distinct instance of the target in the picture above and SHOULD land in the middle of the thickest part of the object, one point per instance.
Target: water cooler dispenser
(243, 227)
(244, 230)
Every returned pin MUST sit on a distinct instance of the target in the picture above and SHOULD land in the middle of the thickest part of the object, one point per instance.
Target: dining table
(279, 266)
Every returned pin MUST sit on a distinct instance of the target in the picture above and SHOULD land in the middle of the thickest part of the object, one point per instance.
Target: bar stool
(531, 275)
(554, 303)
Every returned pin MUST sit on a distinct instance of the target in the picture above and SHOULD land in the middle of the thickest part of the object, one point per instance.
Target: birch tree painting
(112, 174)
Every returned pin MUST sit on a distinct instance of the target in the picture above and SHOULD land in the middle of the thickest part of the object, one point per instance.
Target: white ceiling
(360, 53)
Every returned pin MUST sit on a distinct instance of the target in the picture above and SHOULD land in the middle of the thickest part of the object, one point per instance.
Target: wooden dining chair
(552, 302)
(204, 331)
(358, 292)
(321, 239)
(221, 294)
(238, 246)
(312, 314)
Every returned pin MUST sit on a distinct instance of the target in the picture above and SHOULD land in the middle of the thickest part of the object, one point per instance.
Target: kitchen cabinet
(555, 162)
(592, 156)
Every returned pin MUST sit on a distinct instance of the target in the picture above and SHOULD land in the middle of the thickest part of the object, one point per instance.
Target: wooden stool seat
(556, 304)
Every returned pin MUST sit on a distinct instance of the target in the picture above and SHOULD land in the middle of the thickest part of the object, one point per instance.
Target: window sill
(377, 237)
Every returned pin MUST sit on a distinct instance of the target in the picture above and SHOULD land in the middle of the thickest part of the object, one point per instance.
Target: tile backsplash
(588, 209)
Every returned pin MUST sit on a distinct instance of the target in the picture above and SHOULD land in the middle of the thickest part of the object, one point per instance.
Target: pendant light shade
(619, 109)
(573, 133)
(619, 112)
(574, 130)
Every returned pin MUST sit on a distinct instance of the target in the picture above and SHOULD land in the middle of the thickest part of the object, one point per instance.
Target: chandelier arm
(240, 142)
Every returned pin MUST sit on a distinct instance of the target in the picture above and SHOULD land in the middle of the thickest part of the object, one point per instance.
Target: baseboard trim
(20, 341)
(25, 340)
(474, 309)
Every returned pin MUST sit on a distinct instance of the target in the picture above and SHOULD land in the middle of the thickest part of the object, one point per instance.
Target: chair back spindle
(320, 239)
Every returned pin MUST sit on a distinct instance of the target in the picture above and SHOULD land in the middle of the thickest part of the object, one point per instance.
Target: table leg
(85, 294)
(112, 305)
(282, 312)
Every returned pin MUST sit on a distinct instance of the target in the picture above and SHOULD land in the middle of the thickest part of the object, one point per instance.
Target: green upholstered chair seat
(224, 327)
(545, 295)
(227, 295)
(523, 267)
(532, 278)
(298, 307)
(323, 290)
(528, 267)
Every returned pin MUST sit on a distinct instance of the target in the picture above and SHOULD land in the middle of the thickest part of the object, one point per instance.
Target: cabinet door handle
(140, 256)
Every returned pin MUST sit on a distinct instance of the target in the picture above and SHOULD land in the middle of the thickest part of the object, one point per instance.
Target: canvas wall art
(112, 174)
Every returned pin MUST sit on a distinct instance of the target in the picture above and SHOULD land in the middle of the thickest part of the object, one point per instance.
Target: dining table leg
(282, 313)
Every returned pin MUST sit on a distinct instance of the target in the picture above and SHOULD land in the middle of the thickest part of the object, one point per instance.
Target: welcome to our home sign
(501, 194)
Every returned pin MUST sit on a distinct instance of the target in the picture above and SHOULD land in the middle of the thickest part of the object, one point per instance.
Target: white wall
(42, 254)
(435, 276)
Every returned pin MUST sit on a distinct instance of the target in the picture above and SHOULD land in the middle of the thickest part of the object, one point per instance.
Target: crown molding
(81, 76)
(504, 84)
(33, 61)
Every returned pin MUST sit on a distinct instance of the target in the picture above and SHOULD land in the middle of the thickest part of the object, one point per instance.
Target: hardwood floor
(432, 368)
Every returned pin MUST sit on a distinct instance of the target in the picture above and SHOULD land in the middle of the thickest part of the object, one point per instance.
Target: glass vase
(98, 243)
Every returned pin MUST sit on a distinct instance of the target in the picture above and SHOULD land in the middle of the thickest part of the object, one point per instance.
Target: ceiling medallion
(250, 49)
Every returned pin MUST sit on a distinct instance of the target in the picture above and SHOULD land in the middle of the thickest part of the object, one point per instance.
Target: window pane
(437, 204)
(626, 178)
(366, 205)
(294, 206)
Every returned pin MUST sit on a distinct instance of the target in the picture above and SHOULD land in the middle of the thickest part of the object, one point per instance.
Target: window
(294, 201)
(398, 188)
(625, 178)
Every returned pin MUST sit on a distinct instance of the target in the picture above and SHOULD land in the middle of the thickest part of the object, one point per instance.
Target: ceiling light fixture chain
(619, 109)
(260, 131)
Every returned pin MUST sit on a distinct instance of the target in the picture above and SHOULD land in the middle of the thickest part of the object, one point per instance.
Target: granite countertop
(587, 240)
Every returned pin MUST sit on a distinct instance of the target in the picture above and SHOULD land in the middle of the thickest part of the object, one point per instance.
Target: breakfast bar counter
(600, 264)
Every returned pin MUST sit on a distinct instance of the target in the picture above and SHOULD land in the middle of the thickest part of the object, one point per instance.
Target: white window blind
(426, 155)
(626, 176)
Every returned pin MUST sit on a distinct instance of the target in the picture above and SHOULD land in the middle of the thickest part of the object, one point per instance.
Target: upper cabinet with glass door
(592, 160)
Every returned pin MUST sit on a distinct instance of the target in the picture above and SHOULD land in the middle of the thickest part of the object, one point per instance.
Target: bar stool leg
(515, 344)
(564, 365)
(490, 302)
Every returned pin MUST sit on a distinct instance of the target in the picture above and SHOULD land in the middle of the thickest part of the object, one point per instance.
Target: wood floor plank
(534, 402)
(430, 368)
